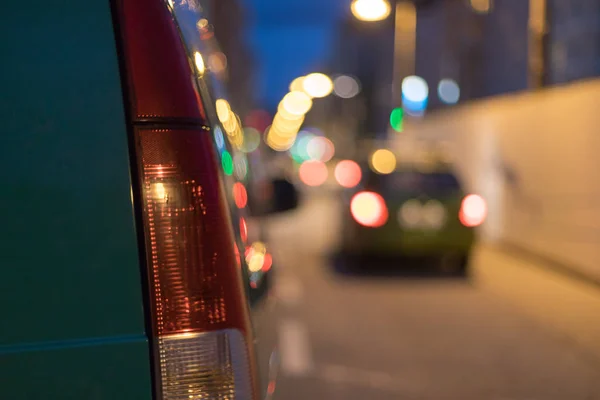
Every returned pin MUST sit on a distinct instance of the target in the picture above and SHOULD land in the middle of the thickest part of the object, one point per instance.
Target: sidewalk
(567, 305)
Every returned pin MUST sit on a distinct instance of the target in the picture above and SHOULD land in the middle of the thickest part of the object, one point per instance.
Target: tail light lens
(473, 211)
(201, 332)
(369, 209)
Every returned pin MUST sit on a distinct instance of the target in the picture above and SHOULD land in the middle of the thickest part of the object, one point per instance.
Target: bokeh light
(397, 119)
(371, 10)
(223, 110)
(383, 161)
(317, 85)
(347, 173)
(243, 230)
(473, 210)
(200, 67)
(320, 149)
(251, 140)
(258, 119)
(240, 195)
(369, 209)
(297, 103)
(240, 166)
(346, 87)
(448, 91)
(313, 173)
(415, 89)
(481, 6)
(299, 149)
(219, 140)
(227, 163)
(297, 85)
(217, 62)
(409, 214)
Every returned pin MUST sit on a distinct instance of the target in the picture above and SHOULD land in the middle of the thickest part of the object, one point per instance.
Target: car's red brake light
(473, 210)
(369, 209)
(200, 328)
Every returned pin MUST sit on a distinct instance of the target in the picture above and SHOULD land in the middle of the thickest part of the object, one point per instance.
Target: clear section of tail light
(209, 365)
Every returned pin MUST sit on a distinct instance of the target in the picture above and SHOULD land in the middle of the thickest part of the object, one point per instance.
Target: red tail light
(473, 210)
(201, 330)
(369, 209)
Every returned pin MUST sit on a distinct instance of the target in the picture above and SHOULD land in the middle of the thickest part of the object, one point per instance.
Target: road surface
(390, 336)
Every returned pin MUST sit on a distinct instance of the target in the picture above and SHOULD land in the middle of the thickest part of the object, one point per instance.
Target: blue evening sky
(290, 38)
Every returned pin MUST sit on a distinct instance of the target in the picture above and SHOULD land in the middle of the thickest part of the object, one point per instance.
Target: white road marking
(289, 291)
(294, 348)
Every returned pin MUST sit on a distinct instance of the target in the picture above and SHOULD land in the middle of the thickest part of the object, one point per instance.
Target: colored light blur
(251, 140)
(481, 6)
(383, 161)
(258, 119)
(346, 87)
(243, 230)
(371, 10)
(297, 85)
(397, 119)
(313, 173)
(299, 149)
(320, 149)
(240, 196)
(473, 210)
(268, 262)
(240, 166)
(219, 140)
(347, 173)
(415, 89)
(297, 103)
(434, 214)
(223, 110)
(227, 163)
(217, 62)
(317, 85)
(200, 67)
(369, 209)
(409, 214)
(448, 91)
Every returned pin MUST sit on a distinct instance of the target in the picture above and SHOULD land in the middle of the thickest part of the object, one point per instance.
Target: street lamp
(371, 10)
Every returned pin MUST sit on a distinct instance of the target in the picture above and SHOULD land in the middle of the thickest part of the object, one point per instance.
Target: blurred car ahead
(123, 252)
(416, 213)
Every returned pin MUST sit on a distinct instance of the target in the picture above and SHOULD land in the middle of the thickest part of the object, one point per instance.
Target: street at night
(391, 335)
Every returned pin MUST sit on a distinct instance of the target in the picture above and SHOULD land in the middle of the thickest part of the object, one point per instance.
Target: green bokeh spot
(396, 119)
(227, 163)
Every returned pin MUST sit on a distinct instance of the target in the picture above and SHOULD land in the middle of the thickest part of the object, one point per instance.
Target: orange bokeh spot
(243, 230)
(369, 209)
(313, 173)
(240, 196)
(348, 173)
(267, 263)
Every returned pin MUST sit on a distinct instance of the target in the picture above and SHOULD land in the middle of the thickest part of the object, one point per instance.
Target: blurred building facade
(573, 40)
(229, 18)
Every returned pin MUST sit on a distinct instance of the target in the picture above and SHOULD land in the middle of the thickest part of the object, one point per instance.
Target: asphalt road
(391, 336)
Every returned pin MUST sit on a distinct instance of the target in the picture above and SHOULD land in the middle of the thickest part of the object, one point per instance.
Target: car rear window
(417, 182)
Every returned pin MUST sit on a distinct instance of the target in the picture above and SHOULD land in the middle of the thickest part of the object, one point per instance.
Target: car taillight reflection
(369, 209)
(473, 210)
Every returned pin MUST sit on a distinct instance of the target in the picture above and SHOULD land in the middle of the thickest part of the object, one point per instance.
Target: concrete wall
(536, 158)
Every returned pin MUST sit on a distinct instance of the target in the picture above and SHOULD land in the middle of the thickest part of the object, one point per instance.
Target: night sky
(290, 38)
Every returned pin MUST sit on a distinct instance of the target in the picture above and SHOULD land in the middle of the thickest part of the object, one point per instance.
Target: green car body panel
(72, 308)
(453, 237)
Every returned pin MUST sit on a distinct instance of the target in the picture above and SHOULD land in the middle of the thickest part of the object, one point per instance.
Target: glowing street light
(317, 85)
(371, 10)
